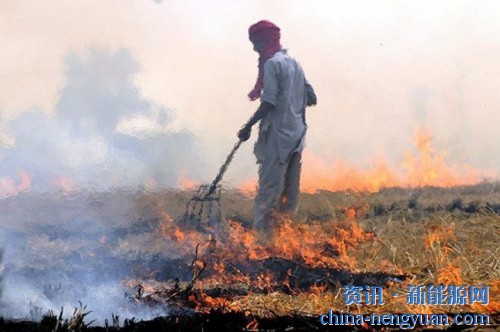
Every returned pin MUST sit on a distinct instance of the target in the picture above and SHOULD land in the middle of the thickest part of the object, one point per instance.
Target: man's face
(258, 46)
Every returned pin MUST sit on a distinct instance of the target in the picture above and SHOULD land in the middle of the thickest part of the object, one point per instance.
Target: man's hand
(311, 95)
(264, 108)
(244, 133)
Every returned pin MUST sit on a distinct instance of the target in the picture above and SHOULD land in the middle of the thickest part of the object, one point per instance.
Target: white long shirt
(284, 87)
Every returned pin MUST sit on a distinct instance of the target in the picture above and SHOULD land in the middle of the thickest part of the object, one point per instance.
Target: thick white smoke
(102, 134)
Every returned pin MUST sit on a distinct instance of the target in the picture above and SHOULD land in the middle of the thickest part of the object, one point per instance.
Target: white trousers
(278, 188)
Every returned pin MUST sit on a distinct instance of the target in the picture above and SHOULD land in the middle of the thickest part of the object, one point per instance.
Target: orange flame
(325, 244)
(450, 274)
(430, 168)
(426, 167)
(184, 182)
(437, 241)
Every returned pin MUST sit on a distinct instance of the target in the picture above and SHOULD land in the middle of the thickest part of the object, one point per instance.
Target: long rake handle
(223, 169)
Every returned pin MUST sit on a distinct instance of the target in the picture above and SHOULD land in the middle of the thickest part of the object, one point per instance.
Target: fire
(233, 255)
(253, 325)
(318, 245)
(430, 168)
(425, 167)
(494, 305)
(248, 186)
(438, 235)
(184, 181)
(203, 301)
(451, 274)
(227, 258)
(437, 241)
(323, 245)
(342, 176)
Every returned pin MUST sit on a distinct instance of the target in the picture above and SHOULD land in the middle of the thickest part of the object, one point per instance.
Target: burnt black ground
(217, 321)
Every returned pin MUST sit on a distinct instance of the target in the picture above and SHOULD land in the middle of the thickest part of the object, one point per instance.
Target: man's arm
(245, 131)
(268, 99)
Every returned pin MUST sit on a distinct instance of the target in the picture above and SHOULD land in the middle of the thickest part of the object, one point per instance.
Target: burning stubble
(131, 253)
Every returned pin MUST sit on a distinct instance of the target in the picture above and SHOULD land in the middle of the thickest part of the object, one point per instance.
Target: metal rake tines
(209, 194)
(205, 202)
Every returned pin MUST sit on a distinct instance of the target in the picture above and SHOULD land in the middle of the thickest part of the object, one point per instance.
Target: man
(284, 94)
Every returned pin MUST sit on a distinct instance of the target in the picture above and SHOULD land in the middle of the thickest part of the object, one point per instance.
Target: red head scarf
(268, 34)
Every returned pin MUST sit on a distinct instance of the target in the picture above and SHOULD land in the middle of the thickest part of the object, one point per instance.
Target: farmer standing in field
(284, 94)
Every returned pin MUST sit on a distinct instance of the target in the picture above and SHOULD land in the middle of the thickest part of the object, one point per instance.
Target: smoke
(102, 134)
(80, 247)
(26, 301)
(103, 137)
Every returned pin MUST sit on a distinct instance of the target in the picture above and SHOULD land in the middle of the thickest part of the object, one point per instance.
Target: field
(131, 254)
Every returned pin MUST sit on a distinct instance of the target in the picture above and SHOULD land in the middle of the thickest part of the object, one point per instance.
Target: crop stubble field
(392, 238)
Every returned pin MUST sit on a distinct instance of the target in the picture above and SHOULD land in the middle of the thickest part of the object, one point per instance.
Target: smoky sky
(80, 144)
(380, 69)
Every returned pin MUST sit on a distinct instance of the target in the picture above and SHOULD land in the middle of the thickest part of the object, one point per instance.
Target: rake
(205, 204)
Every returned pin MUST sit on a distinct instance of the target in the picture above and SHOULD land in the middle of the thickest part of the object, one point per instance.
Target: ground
(393, 238)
